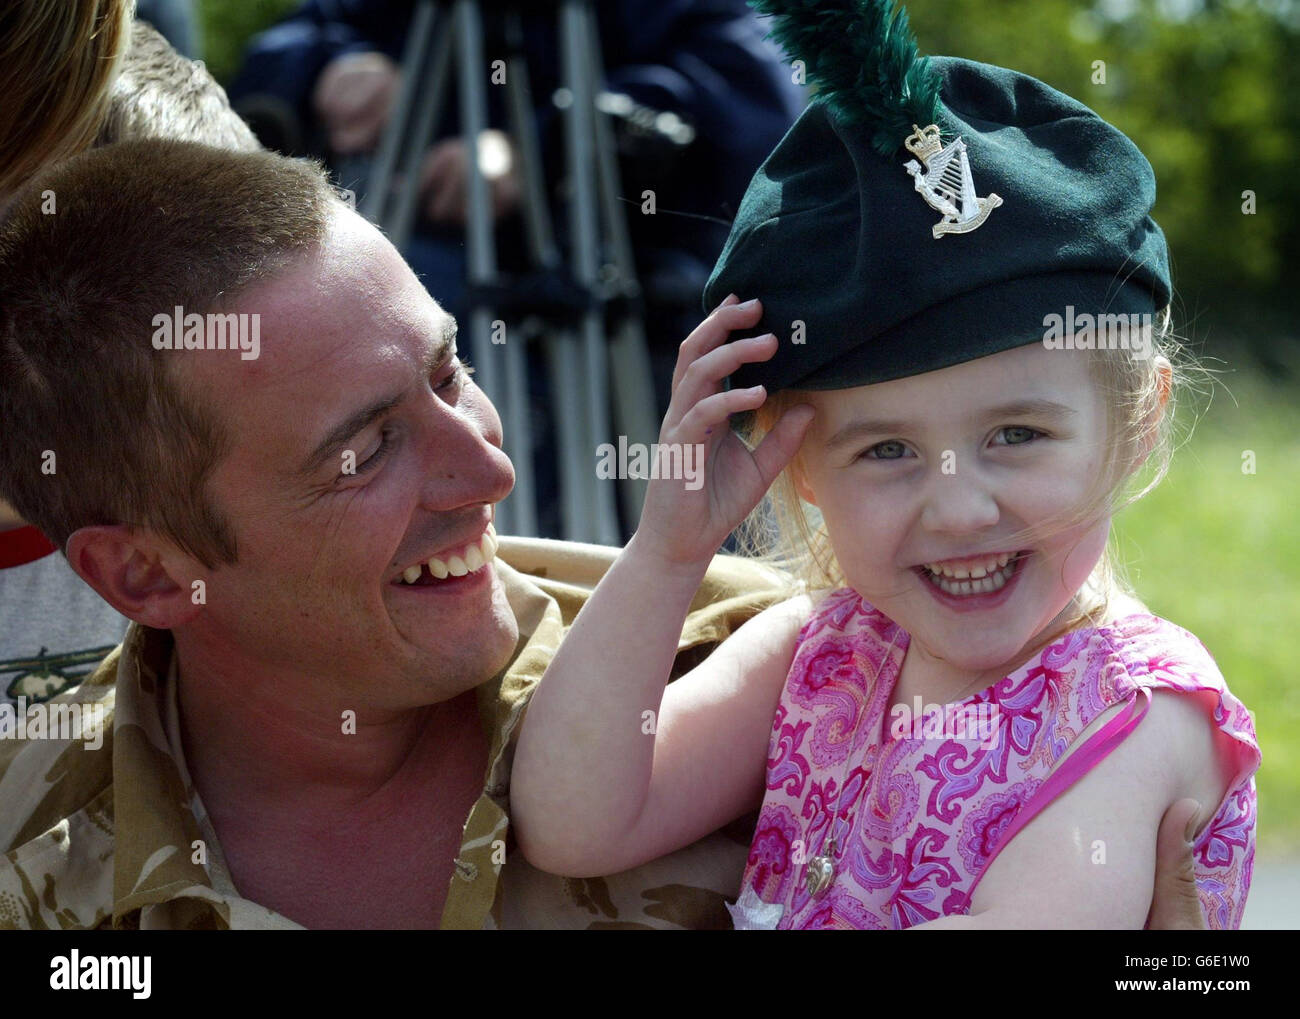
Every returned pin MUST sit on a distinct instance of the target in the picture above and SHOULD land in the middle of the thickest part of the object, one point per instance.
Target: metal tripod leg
(515, 515)
(429, 105)
(576, 41)
(427, 62)
(544, 253)
(631, 372)
(414, 56)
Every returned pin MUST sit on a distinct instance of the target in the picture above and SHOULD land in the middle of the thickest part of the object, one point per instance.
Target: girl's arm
(605, 775)
(1088, 860)
(603, 788)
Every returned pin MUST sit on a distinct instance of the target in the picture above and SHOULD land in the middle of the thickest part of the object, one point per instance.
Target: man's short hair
(161, 94)
(139, 228)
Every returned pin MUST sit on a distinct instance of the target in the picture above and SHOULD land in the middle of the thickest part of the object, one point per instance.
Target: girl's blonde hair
(788, 533)
(58, 61)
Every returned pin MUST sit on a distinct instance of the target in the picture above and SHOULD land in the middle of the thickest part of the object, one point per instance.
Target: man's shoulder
(62, 877)
(687, 889)
(577, 567)
(56, 806)
(56, 755)
(733, 590)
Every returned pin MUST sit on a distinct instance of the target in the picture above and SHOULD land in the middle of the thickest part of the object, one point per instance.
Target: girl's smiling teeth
(973, 575)
(472, 557)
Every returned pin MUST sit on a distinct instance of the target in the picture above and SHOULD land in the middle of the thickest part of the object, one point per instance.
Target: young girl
(962, 720)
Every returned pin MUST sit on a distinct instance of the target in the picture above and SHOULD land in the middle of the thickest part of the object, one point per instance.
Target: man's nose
(962, 502)
(466, 463)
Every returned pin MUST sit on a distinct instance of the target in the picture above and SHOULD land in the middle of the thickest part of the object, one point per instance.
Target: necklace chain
(819, 872)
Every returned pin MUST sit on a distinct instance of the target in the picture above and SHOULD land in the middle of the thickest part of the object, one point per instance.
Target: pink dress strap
(1095, 750)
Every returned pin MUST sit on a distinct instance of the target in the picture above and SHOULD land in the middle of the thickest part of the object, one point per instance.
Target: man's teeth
(975, 577)
(472, 557)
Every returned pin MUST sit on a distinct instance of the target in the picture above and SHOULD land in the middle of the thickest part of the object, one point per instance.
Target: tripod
(600, 274)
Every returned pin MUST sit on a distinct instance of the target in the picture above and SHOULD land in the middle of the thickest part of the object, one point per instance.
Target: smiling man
(358, 451)
(315, 709)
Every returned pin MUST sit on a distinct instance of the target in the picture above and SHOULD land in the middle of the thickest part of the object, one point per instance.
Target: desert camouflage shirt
(117, 836)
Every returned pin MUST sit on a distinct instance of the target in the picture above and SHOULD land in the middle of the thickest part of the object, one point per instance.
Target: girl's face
(924, 483)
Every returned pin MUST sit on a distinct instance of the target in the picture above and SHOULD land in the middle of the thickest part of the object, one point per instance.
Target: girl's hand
(686, 519)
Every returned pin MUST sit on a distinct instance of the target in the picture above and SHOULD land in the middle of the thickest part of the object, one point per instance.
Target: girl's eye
(891, 450)
(1017, 435)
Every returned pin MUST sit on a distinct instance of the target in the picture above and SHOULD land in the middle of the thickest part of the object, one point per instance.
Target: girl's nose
(958, 504)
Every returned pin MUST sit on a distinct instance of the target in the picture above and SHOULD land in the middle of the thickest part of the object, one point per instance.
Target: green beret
(875, 264)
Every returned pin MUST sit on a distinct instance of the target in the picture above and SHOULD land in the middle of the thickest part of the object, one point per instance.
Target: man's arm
(592, 791)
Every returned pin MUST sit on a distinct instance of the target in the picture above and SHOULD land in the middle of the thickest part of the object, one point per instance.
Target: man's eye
(1017, 435)
(377, 457)
(459, 376)
(892, 450)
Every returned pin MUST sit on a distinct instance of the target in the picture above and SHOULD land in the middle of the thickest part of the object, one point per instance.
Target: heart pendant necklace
(820, 871)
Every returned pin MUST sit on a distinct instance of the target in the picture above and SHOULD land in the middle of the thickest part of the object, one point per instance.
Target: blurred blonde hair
(788, 533)
(58, 61)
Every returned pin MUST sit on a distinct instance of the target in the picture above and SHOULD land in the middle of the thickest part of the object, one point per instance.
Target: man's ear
(139, 574)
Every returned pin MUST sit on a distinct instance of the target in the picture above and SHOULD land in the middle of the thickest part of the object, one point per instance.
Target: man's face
(359, 448)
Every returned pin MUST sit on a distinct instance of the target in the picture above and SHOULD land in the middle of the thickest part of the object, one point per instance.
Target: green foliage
(1215, 550)
(227, 25)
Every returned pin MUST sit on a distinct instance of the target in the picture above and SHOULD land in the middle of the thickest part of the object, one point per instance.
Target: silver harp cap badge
(945, 181)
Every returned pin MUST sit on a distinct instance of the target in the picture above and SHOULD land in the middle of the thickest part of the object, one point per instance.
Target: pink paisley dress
(917, 821)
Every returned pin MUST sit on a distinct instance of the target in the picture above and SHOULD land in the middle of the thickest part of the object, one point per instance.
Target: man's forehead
(342, 321)
(350, 303)
(353, 275)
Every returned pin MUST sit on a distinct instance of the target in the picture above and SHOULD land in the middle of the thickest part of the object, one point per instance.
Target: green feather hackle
(862, 56)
